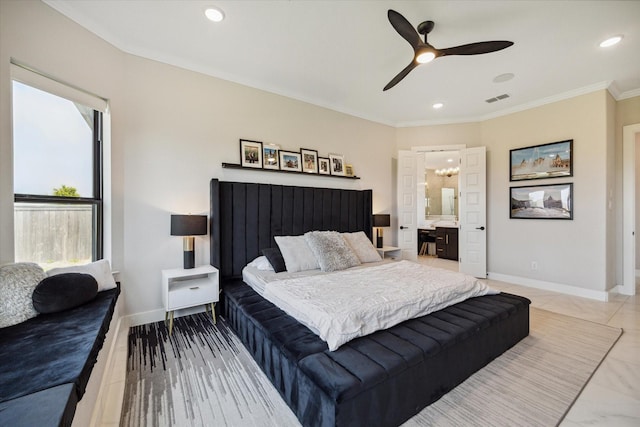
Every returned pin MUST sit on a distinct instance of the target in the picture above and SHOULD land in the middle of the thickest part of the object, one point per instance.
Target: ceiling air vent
(497, 98)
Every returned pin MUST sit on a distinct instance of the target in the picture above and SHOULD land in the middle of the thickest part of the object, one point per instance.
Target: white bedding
(344, 305)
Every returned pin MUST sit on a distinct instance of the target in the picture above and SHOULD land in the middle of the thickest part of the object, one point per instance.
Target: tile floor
(611, 398)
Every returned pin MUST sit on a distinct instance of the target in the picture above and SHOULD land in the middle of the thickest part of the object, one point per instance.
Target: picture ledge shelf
(237, 166)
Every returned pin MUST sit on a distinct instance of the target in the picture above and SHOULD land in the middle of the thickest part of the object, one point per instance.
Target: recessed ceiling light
(611, 41)
(438, 105)
(214, 14)
(503, 78)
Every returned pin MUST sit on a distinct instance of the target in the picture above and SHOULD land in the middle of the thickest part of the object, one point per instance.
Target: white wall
(570, 253)
(171, 130)
(567, 252)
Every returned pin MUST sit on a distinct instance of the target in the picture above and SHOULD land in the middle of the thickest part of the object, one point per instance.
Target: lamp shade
(188, 225)
(382, 220)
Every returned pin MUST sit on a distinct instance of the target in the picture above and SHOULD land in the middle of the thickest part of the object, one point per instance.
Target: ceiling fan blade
(476, 48)
(401, 75)
(404, 28)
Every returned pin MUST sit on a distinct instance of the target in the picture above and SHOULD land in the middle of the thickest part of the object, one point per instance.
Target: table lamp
(188, 226)
(381, 220)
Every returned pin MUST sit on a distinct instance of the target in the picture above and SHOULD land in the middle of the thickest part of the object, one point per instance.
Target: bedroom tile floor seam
(611, 398)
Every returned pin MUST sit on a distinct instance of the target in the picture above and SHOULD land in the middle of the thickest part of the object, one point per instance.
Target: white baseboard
(551, 286)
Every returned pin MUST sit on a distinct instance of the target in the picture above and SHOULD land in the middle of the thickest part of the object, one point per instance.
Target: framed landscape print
(270, 157)
(553, 201)
(551, 160)
(336, 164)
(323, 166)
(251, 154)
(309, 160)
(290, 161)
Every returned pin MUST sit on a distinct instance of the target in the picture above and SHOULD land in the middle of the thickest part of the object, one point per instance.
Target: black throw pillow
(275, 259)
(64, 291)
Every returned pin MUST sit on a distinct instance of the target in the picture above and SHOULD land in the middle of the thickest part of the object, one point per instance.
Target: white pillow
(362, 246)
(17, 282)
(261, 263)
(296, 253)
(100, 270)
(332, 250)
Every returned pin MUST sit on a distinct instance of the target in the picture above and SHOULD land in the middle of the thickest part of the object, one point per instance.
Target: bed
(381, 379)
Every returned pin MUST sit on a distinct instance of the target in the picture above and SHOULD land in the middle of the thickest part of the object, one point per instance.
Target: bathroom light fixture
(214, 14)
(448, 171)
(611, 41)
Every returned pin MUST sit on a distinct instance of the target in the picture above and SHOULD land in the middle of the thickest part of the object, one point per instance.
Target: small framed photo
(323, 166)
(309, 160)
(270, 158)
(290, 161)
(551, 201)
(348, 170)
(251, 154)
(336, 162)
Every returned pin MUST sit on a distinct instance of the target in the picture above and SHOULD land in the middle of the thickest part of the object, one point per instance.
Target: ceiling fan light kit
(612, 41)
(423, 52)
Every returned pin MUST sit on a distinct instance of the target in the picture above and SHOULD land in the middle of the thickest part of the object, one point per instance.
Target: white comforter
(348, 304)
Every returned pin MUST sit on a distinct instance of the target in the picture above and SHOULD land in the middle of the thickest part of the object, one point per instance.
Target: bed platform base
(382, 379)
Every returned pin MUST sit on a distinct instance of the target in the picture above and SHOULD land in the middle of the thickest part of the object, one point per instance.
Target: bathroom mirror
(441, 186)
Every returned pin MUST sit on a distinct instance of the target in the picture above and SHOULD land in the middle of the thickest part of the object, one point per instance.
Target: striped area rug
(203, 376)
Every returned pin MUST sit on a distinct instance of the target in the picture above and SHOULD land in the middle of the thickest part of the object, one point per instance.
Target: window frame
(96, 201)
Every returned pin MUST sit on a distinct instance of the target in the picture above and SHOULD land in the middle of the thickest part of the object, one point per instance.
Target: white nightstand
(187, 288)
(390, 252)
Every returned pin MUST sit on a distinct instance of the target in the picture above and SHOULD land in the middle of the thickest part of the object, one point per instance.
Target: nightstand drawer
(188, 293)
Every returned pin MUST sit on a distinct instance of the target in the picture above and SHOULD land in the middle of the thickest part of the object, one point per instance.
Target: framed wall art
(554, 201)
(290, 161)
(336, 164)
(323, 166)
(551, 160)
(270, 158)
(309, 160)
(251, 154)
(348, 170)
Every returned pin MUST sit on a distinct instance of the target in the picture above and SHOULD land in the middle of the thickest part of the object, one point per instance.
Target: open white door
(473, 212)
(630, 139)
(407, 203)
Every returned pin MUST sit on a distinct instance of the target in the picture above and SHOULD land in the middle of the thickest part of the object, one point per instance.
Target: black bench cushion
(54, 349)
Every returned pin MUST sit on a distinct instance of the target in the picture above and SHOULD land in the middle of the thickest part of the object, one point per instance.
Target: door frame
(629, 135)
(424, 149)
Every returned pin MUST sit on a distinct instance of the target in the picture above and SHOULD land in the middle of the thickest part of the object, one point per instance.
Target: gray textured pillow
(296, 253)
(17, 282)
(362, 246)
(331, 250)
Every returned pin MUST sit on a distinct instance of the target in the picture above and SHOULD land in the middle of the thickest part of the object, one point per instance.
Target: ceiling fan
(424, 52)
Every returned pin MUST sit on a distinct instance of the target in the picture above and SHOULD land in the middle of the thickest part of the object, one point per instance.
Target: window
(57, 146)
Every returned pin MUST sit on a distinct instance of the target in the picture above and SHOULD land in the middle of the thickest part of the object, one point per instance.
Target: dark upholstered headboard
(244, 218)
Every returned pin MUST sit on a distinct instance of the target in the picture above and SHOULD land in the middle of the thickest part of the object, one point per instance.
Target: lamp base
(189, 259)
(188, 246)
(379, 238)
